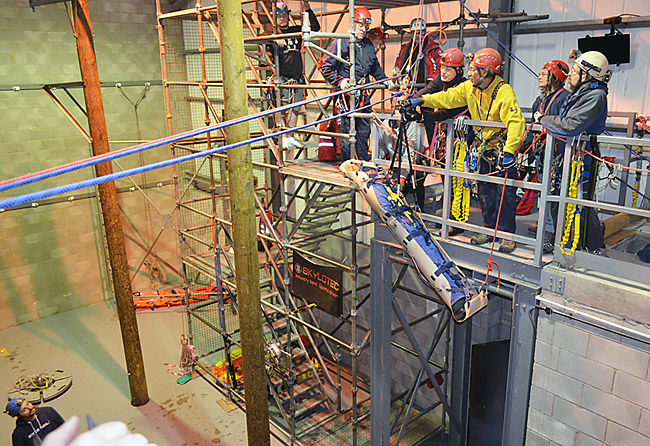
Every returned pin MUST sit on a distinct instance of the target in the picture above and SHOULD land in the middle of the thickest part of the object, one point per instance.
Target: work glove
(536, 116)
(507, 161)
(410, 103)
(345, 84)
(390, 85)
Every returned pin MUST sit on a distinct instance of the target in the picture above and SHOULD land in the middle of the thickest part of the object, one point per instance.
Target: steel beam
(520, 365)
(380, 359)
(460, 367)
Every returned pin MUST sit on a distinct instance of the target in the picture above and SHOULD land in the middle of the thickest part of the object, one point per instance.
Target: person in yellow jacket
(489, 98)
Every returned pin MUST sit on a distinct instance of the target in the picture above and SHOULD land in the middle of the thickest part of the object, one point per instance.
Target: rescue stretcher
(431, 261)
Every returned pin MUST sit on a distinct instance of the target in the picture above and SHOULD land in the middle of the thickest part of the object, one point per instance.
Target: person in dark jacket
(338, 75)
(584, 111)
(291, 65)
(552, 96)
(452, 64)
(551, 85)
(32, 423)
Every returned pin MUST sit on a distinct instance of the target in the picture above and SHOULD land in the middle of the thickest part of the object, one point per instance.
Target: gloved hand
(411, 103)
(345, 84)
(507, 161)
(490, 155)
(536, 116)
(390, 85)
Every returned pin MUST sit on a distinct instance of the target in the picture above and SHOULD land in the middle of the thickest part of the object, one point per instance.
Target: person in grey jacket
(584, 111)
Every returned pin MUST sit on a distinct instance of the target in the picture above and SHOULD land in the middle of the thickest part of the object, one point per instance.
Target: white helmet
(418, 24)
(595, 64)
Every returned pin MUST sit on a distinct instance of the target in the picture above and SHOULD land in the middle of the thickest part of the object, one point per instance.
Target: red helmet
(453, 57)
(558, 69)
(487, 58)
(377, 34)
(362, 15)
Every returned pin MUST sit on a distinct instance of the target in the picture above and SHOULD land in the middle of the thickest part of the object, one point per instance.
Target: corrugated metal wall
(630, 83)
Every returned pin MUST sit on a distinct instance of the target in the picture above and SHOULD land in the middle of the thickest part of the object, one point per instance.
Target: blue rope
(35, 196)
(497, 39)
(157, 143)
(630, 149)
(631, 187)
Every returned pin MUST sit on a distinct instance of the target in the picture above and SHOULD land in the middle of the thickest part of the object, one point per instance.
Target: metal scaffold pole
(110, 209)
(354, 271)
(244, 229)
(353, 83)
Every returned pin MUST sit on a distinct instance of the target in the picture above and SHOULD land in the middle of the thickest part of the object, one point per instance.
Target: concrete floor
(87, 344)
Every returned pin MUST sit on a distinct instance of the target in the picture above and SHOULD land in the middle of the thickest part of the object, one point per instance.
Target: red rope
(494, 239)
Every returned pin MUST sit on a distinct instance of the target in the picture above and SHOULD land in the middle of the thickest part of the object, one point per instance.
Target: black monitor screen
(615, 47)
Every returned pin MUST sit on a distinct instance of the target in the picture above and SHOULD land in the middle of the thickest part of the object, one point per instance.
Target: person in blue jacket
(584, 111)
(338, 75)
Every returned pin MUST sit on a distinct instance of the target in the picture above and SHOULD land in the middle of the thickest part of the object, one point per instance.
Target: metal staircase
(293, 372)
(321, 212)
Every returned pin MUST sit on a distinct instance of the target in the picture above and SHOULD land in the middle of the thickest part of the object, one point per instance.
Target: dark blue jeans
(489, 197)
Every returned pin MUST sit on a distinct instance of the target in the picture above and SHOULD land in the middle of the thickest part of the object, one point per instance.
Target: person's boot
(455, 231)
(548, 247)
(507, 246)
(480, 239)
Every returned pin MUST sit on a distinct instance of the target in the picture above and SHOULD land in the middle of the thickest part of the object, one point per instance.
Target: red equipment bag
(527, 201)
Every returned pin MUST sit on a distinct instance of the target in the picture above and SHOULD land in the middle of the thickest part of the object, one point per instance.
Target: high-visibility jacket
(484, 106)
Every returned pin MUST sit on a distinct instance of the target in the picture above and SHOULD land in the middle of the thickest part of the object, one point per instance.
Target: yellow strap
(460, 203)
(572, 217)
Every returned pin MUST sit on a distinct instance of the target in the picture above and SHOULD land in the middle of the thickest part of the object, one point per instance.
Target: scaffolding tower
(305, 210)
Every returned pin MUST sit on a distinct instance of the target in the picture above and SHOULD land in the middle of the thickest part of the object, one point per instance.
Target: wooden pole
(242, 202)
(110, 210)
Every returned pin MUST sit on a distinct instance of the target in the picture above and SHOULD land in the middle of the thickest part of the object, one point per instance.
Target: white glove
(536, 116)
(390, 85)
(345, 84)
(114, 433)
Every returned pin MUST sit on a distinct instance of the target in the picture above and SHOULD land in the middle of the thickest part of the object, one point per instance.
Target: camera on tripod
(412, 115)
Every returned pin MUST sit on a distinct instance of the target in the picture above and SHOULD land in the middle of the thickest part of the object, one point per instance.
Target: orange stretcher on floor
(171, 297)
